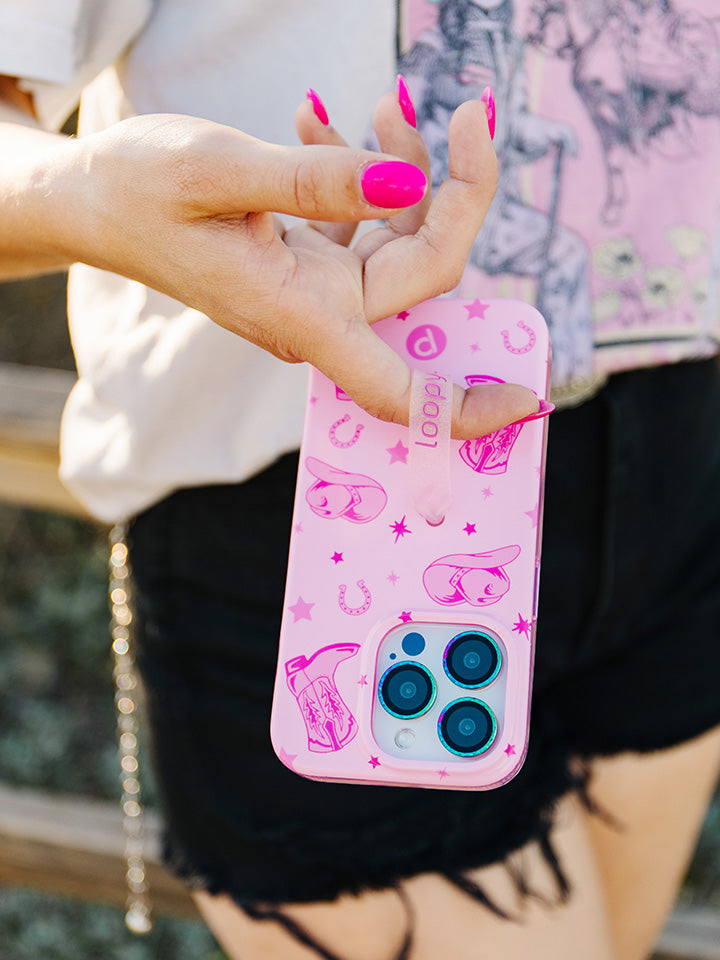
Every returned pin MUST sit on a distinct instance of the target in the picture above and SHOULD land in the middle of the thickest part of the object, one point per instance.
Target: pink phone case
(406, 649)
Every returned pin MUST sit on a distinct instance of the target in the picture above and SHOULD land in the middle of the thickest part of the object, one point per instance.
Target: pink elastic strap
(429, 460)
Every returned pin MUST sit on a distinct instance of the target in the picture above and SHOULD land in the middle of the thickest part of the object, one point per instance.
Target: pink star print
(301, 610)
(510, 749)
(393, 577)
(522, 626)
(398, 453)
(337, 557)
(469, 528)
(287, 758)
(362, 682)
(533, 514)
(474, 347)
(405, 616)
(487, 492)
(374, 762)
(399, 528)
(443, 773)
(477, 309)
(403, 315)
(298, 528)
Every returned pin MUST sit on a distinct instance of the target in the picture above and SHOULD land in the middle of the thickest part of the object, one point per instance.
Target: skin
(155, 196)
(188, 207)
(624, 880)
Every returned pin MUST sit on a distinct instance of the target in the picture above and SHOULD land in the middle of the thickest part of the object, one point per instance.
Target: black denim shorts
(628, 655)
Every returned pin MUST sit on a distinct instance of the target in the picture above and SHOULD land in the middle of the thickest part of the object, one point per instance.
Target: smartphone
(406, 647)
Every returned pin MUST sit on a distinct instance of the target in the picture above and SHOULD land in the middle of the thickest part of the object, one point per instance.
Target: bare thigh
(659, 801)
(624, 880)
(447, 922)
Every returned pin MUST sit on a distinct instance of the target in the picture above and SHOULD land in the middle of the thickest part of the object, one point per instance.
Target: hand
(186, 206)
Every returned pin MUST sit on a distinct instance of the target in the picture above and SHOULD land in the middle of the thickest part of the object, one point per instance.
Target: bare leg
(660, 801)
(448, 923)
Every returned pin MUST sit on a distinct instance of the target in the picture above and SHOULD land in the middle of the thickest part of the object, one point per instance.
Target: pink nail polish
(318, 106)
(393, 184)
(406, 101)
(489, 100)
(546, 407)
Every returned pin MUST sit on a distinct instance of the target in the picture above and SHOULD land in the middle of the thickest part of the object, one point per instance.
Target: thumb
(377, 379)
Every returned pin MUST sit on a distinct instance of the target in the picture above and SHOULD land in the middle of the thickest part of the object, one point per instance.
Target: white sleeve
(56, 47)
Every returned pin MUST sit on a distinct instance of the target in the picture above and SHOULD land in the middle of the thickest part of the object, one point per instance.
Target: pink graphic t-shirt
(607, 215)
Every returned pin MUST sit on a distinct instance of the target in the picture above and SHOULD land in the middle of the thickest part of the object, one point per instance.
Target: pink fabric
(608, 212)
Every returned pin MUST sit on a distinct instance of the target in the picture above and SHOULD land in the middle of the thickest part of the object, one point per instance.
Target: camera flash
(405, 738)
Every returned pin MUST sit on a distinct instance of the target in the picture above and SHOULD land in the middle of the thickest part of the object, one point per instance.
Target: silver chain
(138, 913)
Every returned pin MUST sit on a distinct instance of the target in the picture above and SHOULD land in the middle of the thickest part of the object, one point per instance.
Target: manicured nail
(406, 101)
(318, 106)
(489, 100)
(546, 407)
(393, 184)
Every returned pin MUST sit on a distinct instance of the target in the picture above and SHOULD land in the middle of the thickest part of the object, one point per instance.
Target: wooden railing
(72, 845)
(31, 403)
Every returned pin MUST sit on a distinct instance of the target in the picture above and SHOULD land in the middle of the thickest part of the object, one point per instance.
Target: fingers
(393, 120)
(397, 136)
(313, 127)
(320, 182)
(375, 377)
(462, 201)
(432, 260)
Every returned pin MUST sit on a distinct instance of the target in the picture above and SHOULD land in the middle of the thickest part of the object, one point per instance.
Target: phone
(406, 647)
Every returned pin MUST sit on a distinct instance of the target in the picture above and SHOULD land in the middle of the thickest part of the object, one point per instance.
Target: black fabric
(627, 656)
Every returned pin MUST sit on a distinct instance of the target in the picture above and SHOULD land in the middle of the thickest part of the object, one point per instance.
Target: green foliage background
(57, 720)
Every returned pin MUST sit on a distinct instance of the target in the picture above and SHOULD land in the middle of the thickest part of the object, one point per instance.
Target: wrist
(37, 215)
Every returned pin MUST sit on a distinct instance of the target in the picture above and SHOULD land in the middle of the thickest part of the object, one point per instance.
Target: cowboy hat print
(475, 578)
(337, 493)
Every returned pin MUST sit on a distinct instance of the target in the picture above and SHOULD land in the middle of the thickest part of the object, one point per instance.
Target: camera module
(472, 659)
(407, 690)
(467, 727)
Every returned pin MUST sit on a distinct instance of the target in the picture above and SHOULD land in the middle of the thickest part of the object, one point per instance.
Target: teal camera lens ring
(407, 690)
(456, 722)
(467, 670)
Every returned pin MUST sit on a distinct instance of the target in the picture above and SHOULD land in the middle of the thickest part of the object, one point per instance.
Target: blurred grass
(34, 926)
(57, 714)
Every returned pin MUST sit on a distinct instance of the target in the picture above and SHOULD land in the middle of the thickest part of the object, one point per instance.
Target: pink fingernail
(406, 101)
(318, 106)
(489, 100)
(546, 407)
(393, 184)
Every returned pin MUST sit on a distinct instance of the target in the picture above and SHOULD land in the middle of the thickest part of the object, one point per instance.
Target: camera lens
(407, 690)
(467, 727)
(472, 659)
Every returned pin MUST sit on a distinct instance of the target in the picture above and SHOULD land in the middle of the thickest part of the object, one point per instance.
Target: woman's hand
(419, 253)
(187, 207)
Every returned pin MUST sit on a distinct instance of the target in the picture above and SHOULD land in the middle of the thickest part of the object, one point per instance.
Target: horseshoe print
(528, 346)
(344, 443)
(364, 606)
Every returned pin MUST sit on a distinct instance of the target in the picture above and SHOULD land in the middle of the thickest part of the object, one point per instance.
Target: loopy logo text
(434, 403)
